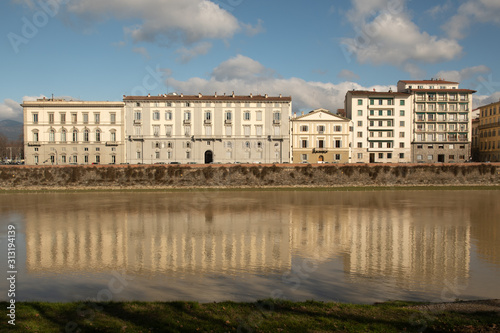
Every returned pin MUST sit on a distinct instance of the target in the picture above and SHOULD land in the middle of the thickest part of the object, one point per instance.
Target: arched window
(52, 135)
(75, 135)
(35, 136)
(97, 135)
(113, 136)
(86, 135)
(63, 135)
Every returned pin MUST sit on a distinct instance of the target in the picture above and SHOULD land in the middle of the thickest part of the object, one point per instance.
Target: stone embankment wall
(153, 176)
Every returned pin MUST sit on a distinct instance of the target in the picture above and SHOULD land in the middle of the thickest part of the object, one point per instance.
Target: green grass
(263, 316)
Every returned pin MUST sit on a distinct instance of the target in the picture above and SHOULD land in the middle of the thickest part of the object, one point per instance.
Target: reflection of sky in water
(242, 246)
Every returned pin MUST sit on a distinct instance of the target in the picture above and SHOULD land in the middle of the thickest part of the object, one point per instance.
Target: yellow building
(489, 132)
(321, 136)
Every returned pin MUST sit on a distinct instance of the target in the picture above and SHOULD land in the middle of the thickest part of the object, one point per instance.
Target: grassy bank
(262, 316)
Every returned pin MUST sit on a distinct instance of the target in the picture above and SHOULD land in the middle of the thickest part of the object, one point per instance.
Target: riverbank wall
(247, 175)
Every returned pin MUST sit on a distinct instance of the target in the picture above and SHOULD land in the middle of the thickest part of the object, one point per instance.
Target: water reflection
(416, 242)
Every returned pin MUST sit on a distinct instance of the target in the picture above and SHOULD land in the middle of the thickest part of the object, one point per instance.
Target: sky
(314, 51)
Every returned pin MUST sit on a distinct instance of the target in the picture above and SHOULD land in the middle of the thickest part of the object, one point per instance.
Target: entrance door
(209, 157)
(372, 157)
(441, 158)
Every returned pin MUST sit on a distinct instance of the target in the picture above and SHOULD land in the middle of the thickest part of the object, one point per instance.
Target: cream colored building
(58, 132)
(382, 126)
(319, 137)
(208, 129)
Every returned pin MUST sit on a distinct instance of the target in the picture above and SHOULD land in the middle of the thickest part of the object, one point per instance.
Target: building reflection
(235, 234)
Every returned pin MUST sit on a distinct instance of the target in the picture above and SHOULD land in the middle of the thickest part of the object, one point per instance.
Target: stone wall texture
(246, 175)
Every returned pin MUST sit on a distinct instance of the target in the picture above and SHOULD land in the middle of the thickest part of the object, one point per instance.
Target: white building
(57, 131)
(441, 120)
(382, 126)
(205, 129)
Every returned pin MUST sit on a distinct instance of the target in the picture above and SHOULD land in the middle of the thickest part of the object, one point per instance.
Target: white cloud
(464, 74)
(385, 34)
(142, 51)
(347, 75)
(186, 54)
(481, 100)
(244, 75)
(254, 30)
(12, 110)
(187, 21)
(472, 11)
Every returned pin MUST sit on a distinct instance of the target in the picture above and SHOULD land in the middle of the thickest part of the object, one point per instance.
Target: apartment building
(382, 126)
(441, 120)
(57, 131)
(320, 137)
(489, 132)
(207, 129)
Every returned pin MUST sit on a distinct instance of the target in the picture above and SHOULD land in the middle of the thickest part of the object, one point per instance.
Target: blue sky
(313, 51)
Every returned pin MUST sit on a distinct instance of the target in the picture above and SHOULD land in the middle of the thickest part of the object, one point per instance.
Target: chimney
(182, 95)
(251, 96)
(280, 96)
(265, 95)
(233, 93)
(149, 95)
(124, 96)
(199, 95)
(215, 95)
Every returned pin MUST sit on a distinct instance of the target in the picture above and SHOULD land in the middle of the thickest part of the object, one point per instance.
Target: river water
(359, 247)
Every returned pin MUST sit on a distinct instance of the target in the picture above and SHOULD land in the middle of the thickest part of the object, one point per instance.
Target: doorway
(441, 158)
(372, 157)
(209, 157)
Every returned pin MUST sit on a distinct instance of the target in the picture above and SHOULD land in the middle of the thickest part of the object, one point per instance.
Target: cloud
(347, 75)
(387, 35)
(186, 54)
(254, 30)
(245, 75)
(464, 74)
(142, 51)
(187, 21)
(481, 100)
(440, 9)
(472, 11)
(12, 110)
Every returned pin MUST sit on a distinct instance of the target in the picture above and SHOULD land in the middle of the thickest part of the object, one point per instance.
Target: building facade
(319, 137)
(207, 129)
(489, 132)
(57, 131)
(381, 126)
(441, 120)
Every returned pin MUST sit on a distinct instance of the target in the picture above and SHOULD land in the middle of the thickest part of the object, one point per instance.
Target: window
(208, 130)
(168, 115)
(303, 144)
(303, 157)
(401, 145)
(74, 118)
(321, 129)
(360, 102)
(401, 155)
(246, 130)
(337, 128)
(97, 118)
(420, 157)
(321, 144)
(380, 112)
(360, 156)
(63, 118)
(75, 135)
(35, 118)
(168, 130)
(277, 130)
(360, 144)
(304, 128)
(246, 115)
(389, 112)
(52, 135)
(402, 123)
(372, 112)
(380, 155)
(338, 143)
(402, 102)
(208, 115)
(112, 117)
(372, 102)
(360, 123)
(360, 112)
(156, 115)
(187, 104)
(187, 130)
(380, 102)
(337, 157)
(401, 134)
(247, 145)
(229, 130)
(389, 155)
(51, 118)
(97, 136)
(137, 130)
(63, 135)
(187, 116)
(137, 115)
(63, 158)
(402, 113)
(156, 130)
(390, 102)
(113, 136)
(169, 104)
(86, 158)
(258, 130)
(276, 116)
(360, 134)
(228, 116)
(85, 118)
(98, 159)
(86, 135)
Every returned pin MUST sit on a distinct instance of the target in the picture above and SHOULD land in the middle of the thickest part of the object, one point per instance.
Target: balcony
(276, 121)
(112, 143)
(228, 121)
(137, 121)
(207, 121)
(34, 144)
(187, 121)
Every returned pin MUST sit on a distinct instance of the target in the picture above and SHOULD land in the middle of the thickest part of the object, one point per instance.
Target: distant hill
(11, 129)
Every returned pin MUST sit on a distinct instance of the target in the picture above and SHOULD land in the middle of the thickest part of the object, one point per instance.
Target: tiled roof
(380, 93)
(445, 90)
(181, 97)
